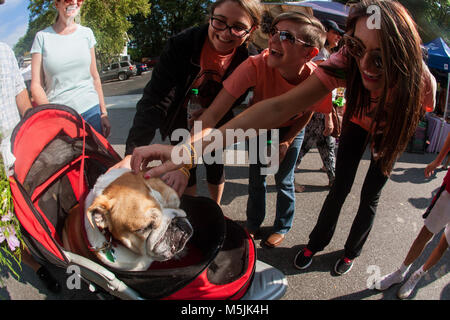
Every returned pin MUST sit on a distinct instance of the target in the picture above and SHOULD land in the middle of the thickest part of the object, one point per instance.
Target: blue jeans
(284, 179)
(93, 117)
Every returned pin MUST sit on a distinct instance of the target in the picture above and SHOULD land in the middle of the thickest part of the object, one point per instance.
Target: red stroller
(58, 159)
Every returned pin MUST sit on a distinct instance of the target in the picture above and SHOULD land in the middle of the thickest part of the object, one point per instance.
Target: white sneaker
(388, 280)
(407, 288)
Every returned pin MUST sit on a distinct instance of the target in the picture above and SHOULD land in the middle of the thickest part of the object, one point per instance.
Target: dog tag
(110, 254)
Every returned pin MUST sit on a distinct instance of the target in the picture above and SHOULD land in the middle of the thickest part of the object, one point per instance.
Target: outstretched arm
(273, 112)
(266, 114)
(178, 179)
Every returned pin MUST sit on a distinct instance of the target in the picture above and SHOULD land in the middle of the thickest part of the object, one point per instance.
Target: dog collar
(107, 248)
(111, 252)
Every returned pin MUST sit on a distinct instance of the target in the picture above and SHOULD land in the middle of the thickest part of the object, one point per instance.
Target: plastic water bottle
(193, 105)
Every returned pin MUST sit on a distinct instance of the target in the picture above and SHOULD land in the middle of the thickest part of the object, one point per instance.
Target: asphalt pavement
(398, 221)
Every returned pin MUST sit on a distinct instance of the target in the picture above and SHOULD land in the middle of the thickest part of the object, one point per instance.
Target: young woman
(388, 87)
(200, 57)
(64, 68)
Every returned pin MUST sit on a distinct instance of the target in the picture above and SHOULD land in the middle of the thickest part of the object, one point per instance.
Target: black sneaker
(343, 265)
(47, 278)
(303, 259)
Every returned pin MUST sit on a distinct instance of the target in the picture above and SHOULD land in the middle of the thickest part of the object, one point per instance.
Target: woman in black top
(199, 57)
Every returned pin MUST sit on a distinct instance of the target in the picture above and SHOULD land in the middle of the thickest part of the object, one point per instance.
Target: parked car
(141, 68)
(151, 62)
(118, 70)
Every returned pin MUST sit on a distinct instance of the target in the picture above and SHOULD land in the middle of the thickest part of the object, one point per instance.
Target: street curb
(123, 101)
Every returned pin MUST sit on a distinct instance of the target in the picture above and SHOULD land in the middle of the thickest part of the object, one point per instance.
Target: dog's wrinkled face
(137, 216)
(178, 231)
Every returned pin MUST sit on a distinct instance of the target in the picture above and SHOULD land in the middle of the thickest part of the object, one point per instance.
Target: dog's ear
(165, 195)
(99, 213)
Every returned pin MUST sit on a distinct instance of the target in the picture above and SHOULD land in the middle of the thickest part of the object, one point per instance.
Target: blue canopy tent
(326, 10)
(438, 55)
(439, 58)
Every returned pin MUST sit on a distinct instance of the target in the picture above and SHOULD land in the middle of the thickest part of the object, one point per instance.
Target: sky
(13, 21)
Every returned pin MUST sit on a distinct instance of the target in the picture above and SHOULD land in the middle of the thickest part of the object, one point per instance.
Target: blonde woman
(64, 69)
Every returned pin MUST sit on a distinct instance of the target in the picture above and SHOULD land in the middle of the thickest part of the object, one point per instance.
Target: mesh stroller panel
(51, 144)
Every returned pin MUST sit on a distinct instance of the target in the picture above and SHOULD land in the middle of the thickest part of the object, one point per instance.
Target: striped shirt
(11, 84)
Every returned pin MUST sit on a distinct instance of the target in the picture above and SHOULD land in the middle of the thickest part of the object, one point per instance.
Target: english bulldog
(129, 222)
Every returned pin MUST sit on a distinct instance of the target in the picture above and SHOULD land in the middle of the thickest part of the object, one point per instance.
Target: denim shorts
(93, 117)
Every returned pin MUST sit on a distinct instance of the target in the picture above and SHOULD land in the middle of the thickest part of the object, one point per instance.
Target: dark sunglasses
(287, 36)
(79, 2)
(236, 31)
(357, 49)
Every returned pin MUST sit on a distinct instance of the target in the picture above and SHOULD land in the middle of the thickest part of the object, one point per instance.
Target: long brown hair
(398, 110)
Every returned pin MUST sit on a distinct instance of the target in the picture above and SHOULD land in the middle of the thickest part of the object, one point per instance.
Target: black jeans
(352, 144)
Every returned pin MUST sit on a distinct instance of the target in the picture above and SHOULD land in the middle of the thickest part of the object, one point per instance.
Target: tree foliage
(168, 17)
(108, 19)
(432, 17)
(112, 20)
(35, 23)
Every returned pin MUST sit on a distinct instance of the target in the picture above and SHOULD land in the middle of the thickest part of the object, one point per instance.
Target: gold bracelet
(190, 165)
(185, 171)
(193, 156)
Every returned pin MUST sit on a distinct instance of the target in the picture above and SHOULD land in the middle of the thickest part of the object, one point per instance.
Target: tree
(35, 24)
(108, 19)
(432, 17)
(168, 17)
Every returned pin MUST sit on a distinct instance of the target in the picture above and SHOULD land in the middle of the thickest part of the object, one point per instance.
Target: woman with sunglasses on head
(388, 88)
(64, 68)
(201, 58)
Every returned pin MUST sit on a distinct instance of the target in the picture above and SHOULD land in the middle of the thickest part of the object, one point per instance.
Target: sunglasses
(287, 36)
(357, 49)
(79, 2)
(236, 31)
